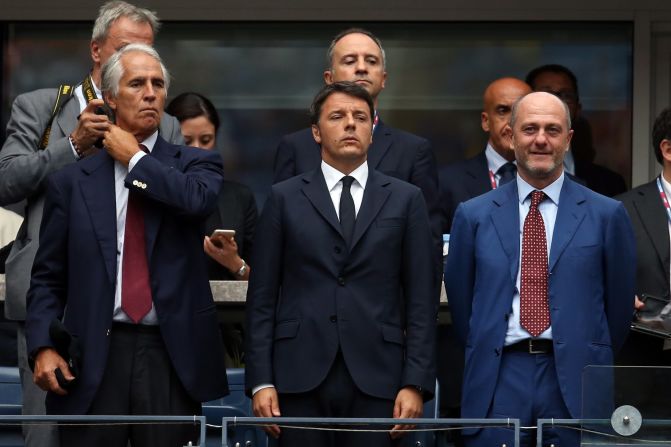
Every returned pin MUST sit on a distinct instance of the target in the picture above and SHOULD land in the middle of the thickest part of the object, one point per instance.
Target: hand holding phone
(217, 236)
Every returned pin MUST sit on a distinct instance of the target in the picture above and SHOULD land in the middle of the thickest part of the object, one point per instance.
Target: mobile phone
(104, 110)
(217, 235)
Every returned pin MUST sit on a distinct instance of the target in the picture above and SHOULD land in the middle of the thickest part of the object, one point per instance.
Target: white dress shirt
(121, 194)
(495, 161)
(548, 209)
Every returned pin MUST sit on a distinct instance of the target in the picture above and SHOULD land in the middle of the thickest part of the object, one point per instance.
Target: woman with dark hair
(236, 208)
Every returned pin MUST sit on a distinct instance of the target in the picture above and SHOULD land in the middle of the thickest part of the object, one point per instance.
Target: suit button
(341, 280)
(337, 249)
(333, 318)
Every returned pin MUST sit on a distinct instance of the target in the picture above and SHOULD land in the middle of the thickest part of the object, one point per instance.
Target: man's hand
(121, 145)
(408, 405)
(90, 127)
(46, 362)
(266, 405)
(225, 253)
(638, 304)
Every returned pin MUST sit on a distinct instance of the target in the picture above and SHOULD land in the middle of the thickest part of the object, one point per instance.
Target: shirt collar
(494, 159)
(552, 190)
(332, 176)
(150, 141)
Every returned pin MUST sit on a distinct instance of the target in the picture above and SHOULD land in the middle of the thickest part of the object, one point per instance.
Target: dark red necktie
(135, 289)
(534, 311)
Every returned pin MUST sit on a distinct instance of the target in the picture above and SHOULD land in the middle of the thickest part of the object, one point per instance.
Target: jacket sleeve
(284, 166)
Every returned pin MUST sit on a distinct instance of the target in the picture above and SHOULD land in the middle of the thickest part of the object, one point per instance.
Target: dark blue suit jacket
(74, 275)
(393, 152)
(310, 296)
(591, 286)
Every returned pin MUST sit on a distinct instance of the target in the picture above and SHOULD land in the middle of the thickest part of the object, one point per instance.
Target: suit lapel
(316, 191)
(506, 221)
(569, 215)
(66, 120)
(382, 140)
(655, 221)
(374, 197)
(100, 200)
(478, 173)
(167, 154)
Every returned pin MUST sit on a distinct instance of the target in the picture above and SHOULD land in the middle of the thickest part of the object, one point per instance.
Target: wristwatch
(241, 273)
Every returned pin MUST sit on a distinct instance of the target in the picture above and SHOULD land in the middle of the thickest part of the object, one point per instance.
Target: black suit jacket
(600, 179)
(236, 210)
(393, 152)
(310, 296)
(461, 181)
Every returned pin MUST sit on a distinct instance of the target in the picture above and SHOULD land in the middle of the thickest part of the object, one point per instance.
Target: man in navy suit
(341, 304)
(356, 55)
(120, 262)
(579, 159)
(540, 277)
(495, 165)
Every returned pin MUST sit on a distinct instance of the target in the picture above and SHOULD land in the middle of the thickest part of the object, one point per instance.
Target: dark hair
(347, 32)
(552, 68)
(661, 130)
(346, 87)
(192, 105)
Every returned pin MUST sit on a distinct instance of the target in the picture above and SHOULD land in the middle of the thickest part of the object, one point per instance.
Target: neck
(666, 173)
(536, 181)
(507, 154)
(96, 76)
(344, 166)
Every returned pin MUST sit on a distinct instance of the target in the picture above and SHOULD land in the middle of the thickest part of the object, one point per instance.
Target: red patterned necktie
(135, 289)
(534, 311)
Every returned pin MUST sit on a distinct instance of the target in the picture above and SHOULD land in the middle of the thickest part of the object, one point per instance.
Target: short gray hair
(347, 32)
(113, 70)
(114, 10)
(516, 106)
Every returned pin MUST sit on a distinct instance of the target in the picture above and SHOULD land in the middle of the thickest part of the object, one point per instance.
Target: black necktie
(507, 173)
(347, 214)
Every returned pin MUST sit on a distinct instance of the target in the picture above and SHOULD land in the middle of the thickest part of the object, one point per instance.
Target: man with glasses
(561, 82)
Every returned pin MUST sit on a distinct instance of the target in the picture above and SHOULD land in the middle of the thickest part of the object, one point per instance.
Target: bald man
(493, 166)
(540, 277)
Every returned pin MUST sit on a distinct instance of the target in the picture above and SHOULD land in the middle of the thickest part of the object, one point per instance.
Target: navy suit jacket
(393, 152)
(309, 295)
(460, 182)
(591, 286)
(74, 276)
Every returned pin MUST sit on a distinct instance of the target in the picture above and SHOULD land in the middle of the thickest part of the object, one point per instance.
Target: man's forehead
(356, 42)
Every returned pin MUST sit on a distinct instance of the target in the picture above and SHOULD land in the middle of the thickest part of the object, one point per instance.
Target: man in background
(561, 81)
(47, 130)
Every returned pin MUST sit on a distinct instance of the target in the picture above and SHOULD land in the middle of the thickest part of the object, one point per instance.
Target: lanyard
(492, 179)
(375, 120)
(662, 195)
(88, 90)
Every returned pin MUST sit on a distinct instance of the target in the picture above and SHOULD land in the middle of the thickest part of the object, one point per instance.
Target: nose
(349, 122)
(149, 91)
(541, 138)
(361, 65)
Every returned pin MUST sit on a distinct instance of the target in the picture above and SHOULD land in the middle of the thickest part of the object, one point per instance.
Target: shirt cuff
(258, 388)
(134, 159)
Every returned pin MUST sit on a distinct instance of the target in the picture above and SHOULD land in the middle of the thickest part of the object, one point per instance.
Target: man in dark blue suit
(356, 55)
(495, 164)
(341, 304)
(540, 277)
(121, 264)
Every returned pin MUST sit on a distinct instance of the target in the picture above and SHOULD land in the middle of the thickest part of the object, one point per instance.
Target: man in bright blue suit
(539, 283)
(120, 263)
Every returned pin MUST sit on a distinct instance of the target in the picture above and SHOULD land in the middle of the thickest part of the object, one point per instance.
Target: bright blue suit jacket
(591, 286)
(74, 275)
(310, 295)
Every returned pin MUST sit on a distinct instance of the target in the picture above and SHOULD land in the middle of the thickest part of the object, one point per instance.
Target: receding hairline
(563, 106)
(503, 82)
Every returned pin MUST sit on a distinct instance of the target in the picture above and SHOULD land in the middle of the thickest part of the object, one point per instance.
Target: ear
(109, 100)
(328, 77)
(568, 139)
(316, 134)
(384, 79)
(95, 52)
(665, 148)
(484, 121)
(508, 133)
